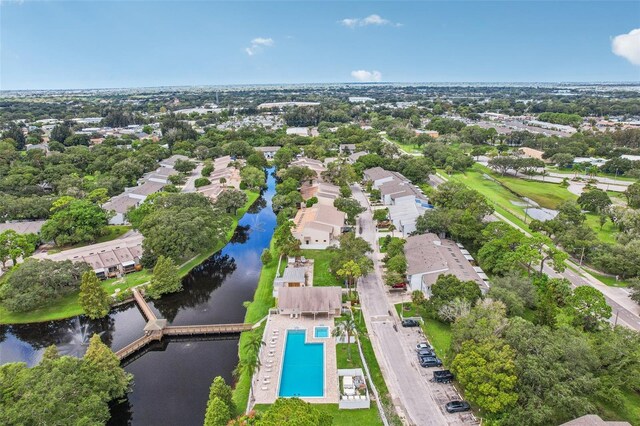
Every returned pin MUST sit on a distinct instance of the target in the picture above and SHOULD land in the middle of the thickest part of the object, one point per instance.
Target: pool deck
(266, 382)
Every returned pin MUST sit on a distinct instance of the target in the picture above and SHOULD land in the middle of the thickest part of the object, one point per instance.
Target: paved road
(419, 401)
(625, 311)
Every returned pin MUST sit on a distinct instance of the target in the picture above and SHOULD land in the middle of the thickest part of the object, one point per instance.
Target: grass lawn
(342, 417)
(258, 308)
(322, 277)
(629, 411)
(439, 334)
(610, 281)
(608, 232)
(343, 359)
(406, 147)
(69, 306)
(408, 310)
(381, 245)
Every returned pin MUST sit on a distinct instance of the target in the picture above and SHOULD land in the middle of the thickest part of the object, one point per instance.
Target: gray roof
(23, 227)
(310, 299)
(120, 203)
(593, 420)
(294, 275)
(147, 188)
(376, 173)
(423, 254)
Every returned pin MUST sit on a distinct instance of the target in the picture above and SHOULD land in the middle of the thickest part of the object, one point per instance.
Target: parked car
(442, 376)
(423, 345)
(457, 406)
(426, 352)
(430, 361)
(410, 323)
(399, 286)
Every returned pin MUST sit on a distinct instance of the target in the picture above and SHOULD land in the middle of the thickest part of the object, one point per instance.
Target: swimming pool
(302, 367)
(321, 332)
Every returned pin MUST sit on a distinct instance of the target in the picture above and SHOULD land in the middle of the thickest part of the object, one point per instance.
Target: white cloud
(258, 44)
(628, 46)
(366, 76)
(369, 20)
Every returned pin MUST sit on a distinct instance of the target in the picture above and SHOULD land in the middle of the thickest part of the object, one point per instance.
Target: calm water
(172, 378)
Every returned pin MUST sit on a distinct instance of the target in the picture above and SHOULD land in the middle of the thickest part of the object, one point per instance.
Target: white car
(423, 345)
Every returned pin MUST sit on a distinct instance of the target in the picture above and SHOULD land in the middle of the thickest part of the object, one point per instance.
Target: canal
(172, 378)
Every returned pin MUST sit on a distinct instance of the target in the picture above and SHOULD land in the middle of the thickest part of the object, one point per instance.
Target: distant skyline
(117, 44)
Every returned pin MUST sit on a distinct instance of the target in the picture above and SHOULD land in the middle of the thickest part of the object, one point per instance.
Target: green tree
(248, 366)
(103, 366)
(350, 272)
(486, 372)
(231, 200)
(485, 320)
(345, 328)
(633, 195)
(14, 245)
(38, 283)
(294, 412)
(351, 207)
(74, 221)
(447, 288)
(266, 256)
(95, 301)
(165, 278)
(380, 214)
(217, 413)
(184, 166)
(595, 200)
(200, 182)
(253, 177)
(221, 390)
(589, 307)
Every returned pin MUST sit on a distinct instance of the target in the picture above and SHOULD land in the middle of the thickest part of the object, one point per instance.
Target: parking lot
(441, 392)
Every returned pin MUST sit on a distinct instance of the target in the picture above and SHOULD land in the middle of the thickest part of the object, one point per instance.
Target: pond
(172, 377)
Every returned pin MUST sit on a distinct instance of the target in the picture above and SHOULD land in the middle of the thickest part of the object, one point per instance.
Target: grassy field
(322, 277)
(257, 309)
(505, 193)
(628, 411)
(342, 417)
(69, 306)
(610, 281)
(342, 356)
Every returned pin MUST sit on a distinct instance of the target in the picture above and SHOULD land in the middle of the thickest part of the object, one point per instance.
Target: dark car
(430, 361)
(457, 406)
(442, 376)
(426, 352)
(410, 323)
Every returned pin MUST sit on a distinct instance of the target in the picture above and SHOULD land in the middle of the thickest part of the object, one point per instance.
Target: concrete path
(416, 399)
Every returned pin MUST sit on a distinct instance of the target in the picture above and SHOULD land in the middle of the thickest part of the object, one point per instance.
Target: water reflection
(171, 379)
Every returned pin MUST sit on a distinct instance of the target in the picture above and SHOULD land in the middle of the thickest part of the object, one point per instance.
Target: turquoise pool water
(321, 332)
(302, 367)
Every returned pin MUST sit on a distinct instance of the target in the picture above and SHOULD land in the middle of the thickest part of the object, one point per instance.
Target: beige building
(428, 257)
(318, 226)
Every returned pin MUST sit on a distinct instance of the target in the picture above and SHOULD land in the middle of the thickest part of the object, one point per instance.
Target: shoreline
(70, 302)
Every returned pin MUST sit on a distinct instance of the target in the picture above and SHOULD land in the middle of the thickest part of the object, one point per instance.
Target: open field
(69, 306)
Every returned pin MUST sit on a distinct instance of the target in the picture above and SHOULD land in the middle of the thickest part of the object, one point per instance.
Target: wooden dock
(156, 329)
(191, 330)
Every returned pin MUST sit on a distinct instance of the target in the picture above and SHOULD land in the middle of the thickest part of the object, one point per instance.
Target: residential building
(318, 226)
(109, 259)
(428, 257)
(268, 151)
(119, 205)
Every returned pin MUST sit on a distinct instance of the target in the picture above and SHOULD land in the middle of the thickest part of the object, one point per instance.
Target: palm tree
(248, 365)
(346, 328)
(254, 343)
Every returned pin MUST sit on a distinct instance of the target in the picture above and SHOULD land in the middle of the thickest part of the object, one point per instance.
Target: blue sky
(92, 44)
